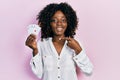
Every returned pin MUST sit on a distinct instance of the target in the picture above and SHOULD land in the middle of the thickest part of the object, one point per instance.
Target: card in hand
(33, 29)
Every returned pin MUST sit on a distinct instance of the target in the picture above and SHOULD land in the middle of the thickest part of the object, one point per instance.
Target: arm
(83, 62)
(80, 57)
(36, 62)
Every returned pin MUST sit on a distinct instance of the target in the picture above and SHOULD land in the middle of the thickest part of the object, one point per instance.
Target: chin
(60, 34)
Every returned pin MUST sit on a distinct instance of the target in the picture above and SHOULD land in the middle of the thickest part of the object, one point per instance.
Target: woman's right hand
(31, 42)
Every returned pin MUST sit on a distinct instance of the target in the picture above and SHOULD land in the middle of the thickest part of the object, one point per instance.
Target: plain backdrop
(99, 29)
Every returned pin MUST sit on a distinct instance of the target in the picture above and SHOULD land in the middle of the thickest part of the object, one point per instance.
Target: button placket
(58, 67)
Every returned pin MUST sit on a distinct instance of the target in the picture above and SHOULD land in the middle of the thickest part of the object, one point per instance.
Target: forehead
(59, 14)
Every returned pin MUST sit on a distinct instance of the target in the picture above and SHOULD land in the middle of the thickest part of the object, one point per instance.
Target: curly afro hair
(44, 18)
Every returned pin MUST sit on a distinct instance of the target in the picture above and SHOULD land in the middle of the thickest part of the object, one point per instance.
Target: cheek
(65, 25)
(52, 26)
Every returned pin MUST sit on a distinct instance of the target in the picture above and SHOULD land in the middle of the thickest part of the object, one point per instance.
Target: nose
(59, 23)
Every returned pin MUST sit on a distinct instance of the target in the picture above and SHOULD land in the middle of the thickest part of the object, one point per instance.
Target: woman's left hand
(73, 44)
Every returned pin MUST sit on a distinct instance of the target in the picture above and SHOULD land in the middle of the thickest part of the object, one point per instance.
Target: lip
(59, 29)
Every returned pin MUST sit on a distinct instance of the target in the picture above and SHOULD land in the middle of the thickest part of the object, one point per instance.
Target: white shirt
(48, 65)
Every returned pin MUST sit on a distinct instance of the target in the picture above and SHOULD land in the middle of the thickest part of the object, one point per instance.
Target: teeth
(59, 29)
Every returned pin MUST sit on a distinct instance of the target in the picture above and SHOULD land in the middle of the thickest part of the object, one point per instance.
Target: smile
(59, 29)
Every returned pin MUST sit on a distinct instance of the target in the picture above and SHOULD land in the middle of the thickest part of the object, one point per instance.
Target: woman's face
(58, 23)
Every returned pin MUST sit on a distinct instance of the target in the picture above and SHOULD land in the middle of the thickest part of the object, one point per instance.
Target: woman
(57, 54)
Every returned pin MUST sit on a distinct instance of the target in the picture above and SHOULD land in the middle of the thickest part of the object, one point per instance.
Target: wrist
(77, 51)
(35, 51)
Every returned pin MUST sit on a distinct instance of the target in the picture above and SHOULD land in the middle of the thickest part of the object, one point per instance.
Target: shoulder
(44, 41)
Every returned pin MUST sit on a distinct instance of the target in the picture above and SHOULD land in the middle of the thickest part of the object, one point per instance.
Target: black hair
(44, 18)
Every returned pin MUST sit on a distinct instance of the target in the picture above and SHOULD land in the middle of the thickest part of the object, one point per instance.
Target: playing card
(33, 29)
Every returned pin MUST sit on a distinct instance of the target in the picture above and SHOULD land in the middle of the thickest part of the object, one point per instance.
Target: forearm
(78, 50)
(36, 65)
(83, 62)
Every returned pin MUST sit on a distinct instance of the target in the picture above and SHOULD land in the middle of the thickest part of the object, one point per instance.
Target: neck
(57, 38)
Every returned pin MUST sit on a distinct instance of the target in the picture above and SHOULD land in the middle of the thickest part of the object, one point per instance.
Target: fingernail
(60, 38)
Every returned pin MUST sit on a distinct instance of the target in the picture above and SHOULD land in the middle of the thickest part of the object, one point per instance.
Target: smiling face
(58, 23)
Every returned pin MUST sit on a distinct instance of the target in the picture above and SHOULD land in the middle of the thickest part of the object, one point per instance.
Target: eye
(54, 20)
(64, 20)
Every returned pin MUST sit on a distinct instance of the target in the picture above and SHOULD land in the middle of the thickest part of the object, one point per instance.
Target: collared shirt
(48, 65)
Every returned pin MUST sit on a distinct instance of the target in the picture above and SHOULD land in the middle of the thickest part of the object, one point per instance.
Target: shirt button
(58, 76)
(58, 67)
(58, 58)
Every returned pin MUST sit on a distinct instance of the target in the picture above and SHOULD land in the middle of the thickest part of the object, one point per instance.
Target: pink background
(99, 29)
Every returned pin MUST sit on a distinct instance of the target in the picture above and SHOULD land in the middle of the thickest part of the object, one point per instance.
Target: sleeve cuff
(34, 59)
(79, 57)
